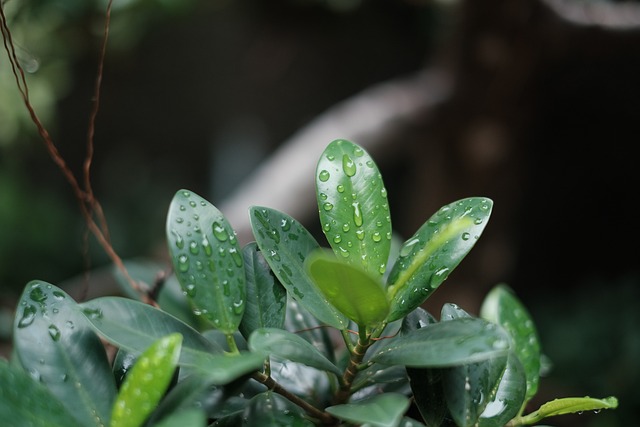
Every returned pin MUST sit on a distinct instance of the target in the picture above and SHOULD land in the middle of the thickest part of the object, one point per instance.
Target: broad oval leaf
(55, 344)
(501, 306)
(289, 346)
(147, 382)
(569, 405)
(285, 244)
(452, 343)
(266, 301)
(26, 402)
(509, 396)
(207, 260)
(384, 410)
(354, 292)
(269, 409)
(429, 256)
(353, 206)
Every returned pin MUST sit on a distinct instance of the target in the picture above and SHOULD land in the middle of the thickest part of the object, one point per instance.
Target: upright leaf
(207, 259)
(427, 258)
(353, 206)
(56, 345)
(509, 396)
(285, 244)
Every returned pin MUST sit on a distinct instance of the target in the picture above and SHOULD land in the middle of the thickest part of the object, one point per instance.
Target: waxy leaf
(185, 418)
(501, 306)
(307, 326)
(452, 343)
(384, 410)
(287, 345)
(568, 405)
(509, 396)
(269, 409)
(207, 260)
(285, 244)
(351, 290)
(26, 402)
(221, 369)
(428, 394)
(147, 382)
(429, 256)
(56, 345)
(353, 206)
(266, 300)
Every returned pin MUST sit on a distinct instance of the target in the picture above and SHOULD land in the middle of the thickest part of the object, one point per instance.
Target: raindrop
(323, 196)
(178, 238)
(345, 227)
(183, 263)
(383, 192)
(196, 217)
(54, 332)
(93, 313)
(237, 258)
(337, 238)
(192, 204)
(326, 227)
(441, 271)
(206, 245)
(37, 295)
(58, 295)
(191, 290)
(359, 152)
(331, 157)
(193, 248)
(186, 194)
(348, 166)
(69, 324)
(357, 214)
(465, 236)
(28, 316)
(344, 252)
(285, 224)
(324, 175)
(219, 232)
(477, 221)
(340, 188)
(360, 234)
(179, 220)
(370, 163)
(376, 237)
(327, 206)
(408, 246)
(183, 208)
(238, 307)
(382, 268)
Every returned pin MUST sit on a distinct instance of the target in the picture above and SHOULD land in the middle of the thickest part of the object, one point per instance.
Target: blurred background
(533, 103)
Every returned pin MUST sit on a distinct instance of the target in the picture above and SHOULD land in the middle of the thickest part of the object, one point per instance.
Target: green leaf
(207, 260)
(353, 206)
(427, 258)
(134, 326)
(351, 290)
(384, 410)
(452, 343)
(428, 394)
(501, 306)
(307, 326)
(26, 402)
(269, 409)
(56, 345)
(147, 382)
(285, 244)
(266, 301)
(185, 418)
(221, 369)
(289, 346)
(508, 398)
(568, 405)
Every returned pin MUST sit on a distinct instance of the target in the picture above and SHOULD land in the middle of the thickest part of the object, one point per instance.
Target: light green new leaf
(147, 382)
(207, 260)
(354, 292)
(384, 410)
(289, 346)
(568, 405)
(54, 342)
(501, 306)
(427, 258)
(285, 244)
(353, 206)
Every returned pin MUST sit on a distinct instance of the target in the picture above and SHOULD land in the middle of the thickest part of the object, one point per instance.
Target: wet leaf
(353, 206)
(269, 409)
(508, 398)
(207, 260)
(384, 410)
(55, 344)
(428, 394)
(569, 405)
(429, 256)
(285, 244)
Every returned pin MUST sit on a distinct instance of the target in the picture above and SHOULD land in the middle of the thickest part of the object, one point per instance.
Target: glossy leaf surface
(509, 396)
(353, 206)
(269, 409)
(221, 369)
(266, 300)
(428, 394)
(147, 382)
(429, 256)
(26, 402)
(207, 260)
(569, 405)
(56, 345)
(285, 244)
(445, 344)
(501, 306)
(354, 292)
(307, 326)
(384, 410)
(289, 346)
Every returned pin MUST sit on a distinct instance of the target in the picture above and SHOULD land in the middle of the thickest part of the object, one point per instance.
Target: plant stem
(357, 355)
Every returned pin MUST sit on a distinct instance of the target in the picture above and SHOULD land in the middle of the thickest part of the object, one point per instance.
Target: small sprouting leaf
(289, 346)
(147, 382)
(285, 244)
(508, 398)
(354, 292)
(207, 259)
(568, 405)
(266, 300)
(26, 402)
(384, 410)
(501, 306)
(269, 409)
(353, 206)
(427, 258)
(56, 345)
(452, 343)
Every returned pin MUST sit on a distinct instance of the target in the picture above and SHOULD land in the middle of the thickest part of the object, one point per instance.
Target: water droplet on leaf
(324, 175)
(348, 166)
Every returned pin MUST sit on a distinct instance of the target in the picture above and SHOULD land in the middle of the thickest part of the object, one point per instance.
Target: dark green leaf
(56, 345)
(207, 260)
(427, 258)
(354, 292)
(509, 397)
(285, 244)
(266, 298)
(26, 402)
(501, 306)
(417, 319)
(353, 206)
(222, 369)
(444, 344)
(289, 346)
(269, 409)
(428, 394)
(299, 321)
(384, 410)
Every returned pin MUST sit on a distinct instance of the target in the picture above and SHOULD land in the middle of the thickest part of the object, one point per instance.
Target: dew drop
(345, 227)
(190, 290)
(193, 248)
(192, 204)
(326, 227)
(359, 152)
(376, 237)
(477, 221)
(408, 246)
(357, 214)
(327, 206)
(37, 294)
(219, 232)
(348, 166)
(238, 307)
(323, 196)
(360, 234)
(54, 332)
(93, 313)
(207, 246)
(383, 192)
(340, 188)
(179, 220)
(465, 236)
(28, 316)
(58, 295)
(324, 175)
(186, 194)
(285, 224)
(183, 208)
(237, 258)
(178, 238)
(337, 238)
(344, 252)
